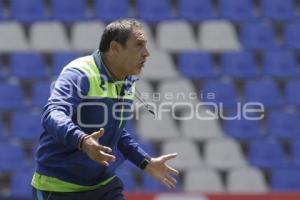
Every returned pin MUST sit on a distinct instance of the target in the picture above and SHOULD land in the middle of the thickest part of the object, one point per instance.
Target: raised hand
(161, 171)
(95, 151)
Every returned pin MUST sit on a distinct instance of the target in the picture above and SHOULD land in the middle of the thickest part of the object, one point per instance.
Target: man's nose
(146, 52)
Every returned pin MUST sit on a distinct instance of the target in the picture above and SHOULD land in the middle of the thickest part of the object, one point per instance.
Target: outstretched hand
(95, 151)
(161, 171)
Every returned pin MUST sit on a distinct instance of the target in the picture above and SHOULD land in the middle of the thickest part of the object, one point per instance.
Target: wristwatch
(145, 162)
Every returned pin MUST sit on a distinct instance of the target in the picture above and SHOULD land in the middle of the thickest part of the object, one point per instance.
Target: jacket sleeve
(64, 99)
(130, 149)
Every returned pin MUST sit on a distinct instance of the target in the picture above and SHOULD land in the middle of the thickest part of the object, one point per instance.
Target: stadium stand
(242, 51)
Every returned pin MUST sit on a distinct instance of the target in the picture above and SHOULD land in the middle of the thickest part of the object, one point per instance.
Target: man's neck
(112, 67)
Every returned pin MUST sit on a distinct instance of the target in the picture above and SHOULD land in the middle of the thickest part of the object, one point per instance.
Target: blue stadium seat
(283, 125)
(40, 93)
(28, 66)
(292, 92)
(20, 184)
(278, 9)
(154, 11)
(26, 126)
(239, 65)
(285, 180)
(11, 97)
(127, 177)
(28, 11)
(292, 35)
(111, 10)
(267, 154)
(69, 10)
(61, 59)
(195, 11)
(258, 35)
(11, 157)
(242, 129)
(236, 10)
(295, 155)
(280, 64)
(263, 91)
(196, 65)
(224, 93)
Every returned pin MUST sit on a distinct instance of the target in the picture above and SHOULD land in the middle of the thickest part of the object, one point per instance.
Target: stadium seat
(239, 65)
(196, 65)
(257, 35)
(224, 93)
(283, 125)
(40, 93)
(20, 185)
(203, 180)
(69, 10)
(295, 155)
(217, 36)
(236, 10)
(292, 35)
(266, 154)
(11, 157)
(28, 11)
(25, 65)
(159, 129)
(195, 11)
(61, 59)
(11, 98)
(85, 36)
(263, 91)
(223, 154)
(279, 10)
(201, 126)
(285, 180)
(188, 153)
(280, 64)
(154, 11)
(177, 92)
(12, 37)
(179, 31)
(255, 181)
(127, 177)
(159, 61)
(242, 129)
(48, 37)
(26, 126)
(111, 10)
(292, 92)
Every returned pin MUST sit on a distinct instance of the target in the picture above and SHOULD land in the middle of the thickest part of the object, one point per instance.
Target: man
(84, 121)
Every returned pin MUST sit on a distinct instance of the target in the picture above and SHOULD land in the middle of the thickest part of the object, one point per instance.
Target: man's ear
(115, 46)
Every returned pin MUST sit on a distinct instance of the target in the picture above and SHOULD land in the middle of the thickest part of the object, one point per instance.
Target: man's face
(133, 55)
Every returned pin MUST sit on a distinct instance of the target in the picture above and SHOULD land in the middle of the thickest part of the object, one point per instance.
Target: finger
(168, 157)
(171, 179)
(104, 163)
(167, 183)
(96, 135)
(105, 149)
(172, 171)
(107, 157)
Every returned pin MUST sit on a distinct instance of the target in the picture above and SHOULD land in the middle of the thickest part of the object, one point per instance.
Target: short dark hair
(118, 31)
